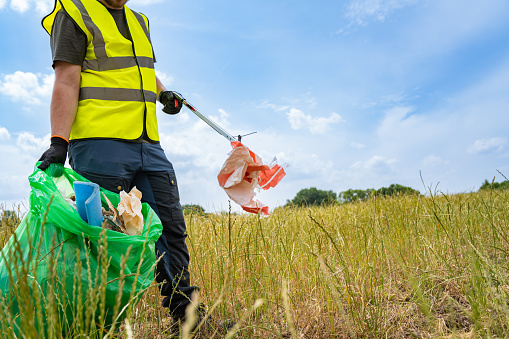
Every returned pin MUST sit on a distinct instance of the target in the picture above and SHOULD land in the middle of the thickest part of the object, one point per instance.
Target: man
(103, 112)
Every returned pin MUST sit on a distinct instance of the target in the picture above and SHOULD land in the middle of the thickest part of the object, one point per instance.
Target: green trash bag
(60, 275)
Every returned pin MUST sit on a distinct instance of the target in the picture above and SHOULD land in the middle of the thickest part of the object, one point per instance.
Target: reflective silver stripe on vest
(112, 63)
(98, 40)
(116, 94)
(142, 24)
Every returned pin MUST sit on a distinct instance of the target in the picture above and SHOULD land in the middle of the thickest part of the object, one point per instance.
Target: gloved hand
(56, 153)
(171, 104)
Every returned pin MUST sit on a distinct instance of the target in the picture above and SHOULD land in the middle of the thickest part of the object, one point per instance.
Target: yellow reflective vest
(118, 85)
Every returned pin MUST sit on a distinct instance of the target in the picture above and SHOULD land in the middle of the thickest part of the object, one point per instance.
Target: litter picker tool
(243, 170)
(209, 122)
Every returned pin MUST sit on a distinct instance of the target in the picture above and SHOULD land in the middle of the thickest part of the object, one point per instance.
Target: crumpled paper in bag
(243, 172)
(129, 209)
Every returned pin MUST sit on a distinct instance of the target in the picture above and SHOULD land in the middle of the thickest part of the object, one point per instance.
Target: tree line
(314, 196)
(494, 185)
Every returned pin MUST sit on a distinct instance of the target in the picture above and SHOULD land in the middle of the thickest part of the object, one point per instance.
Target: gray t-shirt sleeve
(68, 43)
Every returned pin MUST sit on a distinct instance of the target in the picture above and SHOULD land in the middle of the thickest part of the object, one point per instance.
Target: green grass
(402, 267)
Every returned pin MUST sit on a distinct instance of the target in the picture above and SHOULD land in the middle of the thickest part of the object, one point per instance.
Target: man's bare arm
(160, 86)
(64, 100)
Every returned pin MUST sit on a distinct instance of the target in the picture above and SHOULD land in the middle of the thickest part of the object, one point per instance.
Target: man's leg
(164, 187)
(160, 191)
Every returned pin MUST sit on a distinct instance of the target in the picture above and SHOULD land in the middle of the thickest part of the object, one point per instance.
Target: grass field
(402, 267)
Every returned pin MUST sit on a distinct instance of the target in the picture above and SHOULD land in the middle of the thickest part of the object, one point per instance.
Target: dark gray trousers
(118, 165)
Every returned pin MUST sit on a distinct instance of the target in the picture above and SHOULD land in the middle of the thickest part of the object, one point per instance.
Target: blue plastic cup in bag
(88, 202)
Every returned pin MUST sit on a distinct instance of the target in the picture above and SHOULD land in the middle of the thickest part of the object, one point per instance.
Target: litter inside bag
(55, 259)
(129, 210)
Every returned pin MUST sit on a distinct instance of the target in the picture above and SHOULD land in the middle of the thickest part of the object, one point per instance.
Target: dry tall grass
(403, 267)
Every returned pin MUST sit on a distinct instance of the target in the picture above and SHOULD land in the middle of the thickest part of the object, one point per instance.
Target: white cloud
(22, 154)
(20, 6)
(392, 99)
(308, 99)
(357, 145)
(363, 11)
(222, 120)
(303, 100)
(432, 161)
(376, 164)
(27, 87)
(305, 163)
(4, 133)
(167, 80)
(42, 7)
(299, 120)
(14, 186)
(274, 107)
(402, 130)
(395, 120)
(32, 145)
(484, 146)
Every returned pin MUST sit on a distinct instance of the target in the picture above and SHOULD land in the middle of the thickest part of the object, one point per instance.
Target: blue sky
(350, 94)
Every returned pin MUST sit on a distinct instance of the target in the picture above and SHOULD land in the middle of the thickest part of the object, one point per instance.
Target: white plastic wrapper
(243, 172)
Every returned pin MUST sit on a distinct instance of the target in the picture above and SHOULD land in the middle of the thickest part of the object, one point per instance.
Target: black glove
(56, 153)
(172, 104)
